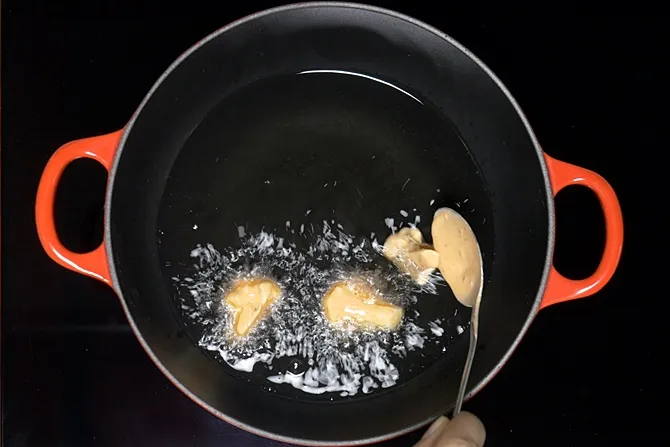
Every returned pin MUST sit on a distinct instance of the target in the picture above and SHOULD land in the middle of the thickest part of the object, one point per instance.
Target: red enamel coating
(559, 288)
(101, 149)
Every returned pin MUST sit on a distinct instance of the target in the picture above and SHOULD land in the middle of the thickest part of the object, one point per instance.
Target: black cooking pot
(314, 115)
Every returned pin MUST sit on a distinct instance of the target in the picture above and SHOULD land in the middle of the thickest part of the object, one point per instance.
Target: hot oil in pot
(300, 178)
(295, 348)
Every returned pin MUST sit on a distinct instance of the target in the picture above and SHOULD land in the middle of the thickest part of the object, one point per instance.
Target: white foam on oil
(390, 223)
(435, 328)
(335, 359)
(247, 365)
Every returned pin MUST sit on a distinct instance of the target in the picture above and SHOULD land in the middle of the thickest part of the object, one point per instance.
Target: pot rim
(295, 6)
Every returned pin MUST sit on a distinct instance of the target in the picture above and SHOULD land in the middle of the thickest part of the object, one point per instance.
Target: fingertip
(470, 426)
(435, 426)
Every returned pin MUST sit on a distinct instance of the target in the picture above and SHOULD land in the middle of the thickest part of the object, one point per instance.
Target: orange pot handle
(559, 288)
(101, 149)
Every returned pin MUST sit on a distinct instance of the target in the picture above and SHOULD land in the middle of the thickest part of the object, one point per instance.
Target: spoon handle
(474, 329)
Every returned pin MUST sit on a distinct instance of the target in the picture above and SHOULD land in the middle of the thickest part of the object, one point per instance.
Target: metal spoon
(453, 225)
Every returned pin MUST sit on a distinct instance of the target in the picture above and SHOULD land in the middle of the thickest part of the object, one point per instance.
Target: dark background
(588, 372)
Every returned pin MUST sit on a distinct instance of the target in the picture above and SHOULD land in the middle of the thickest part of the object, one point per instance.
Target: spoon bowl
(462, 268)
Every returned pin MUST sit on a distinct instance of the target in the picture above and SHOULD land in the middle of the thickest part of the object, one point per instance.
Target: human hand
(465, 430)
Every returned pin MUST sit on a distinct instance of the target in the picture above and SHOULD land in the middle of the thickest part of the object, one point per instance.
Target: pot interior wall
(168, 179)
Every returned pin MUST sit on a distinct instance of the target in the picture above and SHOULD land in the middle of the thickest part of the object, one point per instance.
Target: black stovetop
(73, 373)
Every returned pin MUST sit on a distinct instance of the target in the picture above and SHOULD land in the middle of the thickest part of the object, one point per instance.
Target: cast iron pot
(184, 161)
